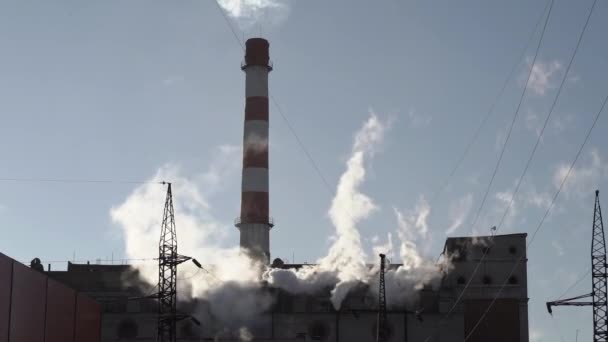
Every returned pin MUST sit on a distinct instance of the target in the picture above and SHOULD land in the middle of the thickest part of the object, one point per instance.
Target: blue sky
(115, 90)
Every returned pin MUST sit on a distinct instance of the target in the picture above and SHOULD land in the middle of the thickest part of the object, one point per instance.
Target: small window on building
(487, 280)
(461, 280)
(513, 280)
(512, 250)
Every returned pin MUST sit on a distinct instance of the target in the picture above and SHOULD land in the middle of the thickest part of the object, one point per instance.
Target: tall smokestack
(255, 222)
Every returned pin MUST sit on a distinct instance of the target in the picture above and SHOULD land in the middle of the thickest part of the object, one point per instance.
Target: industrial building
(443, 314)
(310, 318)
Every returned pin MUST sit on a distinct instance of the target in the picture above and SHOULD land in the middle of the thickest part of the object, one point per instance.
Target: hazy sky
(114, 90)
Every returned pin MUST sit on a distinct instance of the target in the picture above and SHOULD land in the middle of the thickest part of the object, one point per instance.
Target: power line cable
(559, 91)
(575, 284)
(83, 261)
(529, 162)
(302, 146)
(305, 150)
(553, 200)
(219, 7)
(460, 296)
(491, 110)
(515, 115)
(73, 181)
(532, 154)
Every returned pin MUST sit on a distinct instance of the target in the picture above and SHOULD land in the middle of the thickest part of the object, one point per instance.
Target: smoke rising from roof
(233, 291)
(345, 266)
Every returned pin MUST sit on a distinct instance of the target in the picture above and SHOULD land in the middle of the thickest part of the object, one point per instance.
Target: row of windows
(461, 252)
(487, 280)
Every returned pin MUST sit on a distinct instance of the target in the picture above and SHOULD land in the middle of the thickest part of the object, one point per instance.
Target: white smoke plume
(232, 294)
(250, 12)
(232, 289)
(458, 212)
(416, 272)
(344, 266)
(386, 248)
(245, 334)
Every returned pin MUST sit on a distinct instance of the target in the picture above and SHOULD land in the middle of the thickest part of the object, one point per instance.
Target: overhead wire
(553, 200)
(515, 116)
(540, 135)
(532, 156)
(290, 127)
(73, 181)
(313, 163)
(83, 261)
(488, 115)
(536, 146)
(317, 169)
(219, 7)
(575, 284)
(198, 270)
(459, 298)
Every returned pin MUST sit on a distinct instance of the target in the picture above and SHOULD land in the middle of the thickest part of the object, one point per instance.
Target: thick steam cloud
(233, 288)
(344, 267)
(233, 280)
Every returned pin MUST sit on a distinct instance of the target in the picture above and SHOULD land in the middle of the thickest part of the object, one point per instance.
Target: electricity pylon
(382, 324)
(598, 279)
(168, 259)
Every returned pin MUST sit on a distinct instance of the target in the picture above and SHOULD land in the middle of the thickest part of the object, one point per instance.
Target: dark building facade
(307, 318)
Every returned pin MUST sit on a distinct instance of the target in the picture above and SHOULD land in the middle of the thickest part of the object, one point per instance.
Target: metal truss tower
(598, 269)
(168, 259)
(382, 324)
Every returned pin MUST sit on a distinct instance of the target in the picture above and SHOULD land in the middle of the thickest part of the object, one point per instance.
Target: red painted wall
(28, 305)
(88, 319)
(501, 324)
(34, 308)
(60, 311)
(6, 277)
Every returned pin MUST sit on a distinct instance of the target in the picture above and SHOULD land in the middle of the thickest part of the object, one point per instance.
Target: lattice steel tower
(598, 269)
(382, 324)
(168, 259)
(598, 279)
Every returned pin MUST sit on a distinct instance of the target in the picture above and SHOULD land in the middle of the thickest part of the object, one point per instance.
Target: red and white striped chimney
(255, 222)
